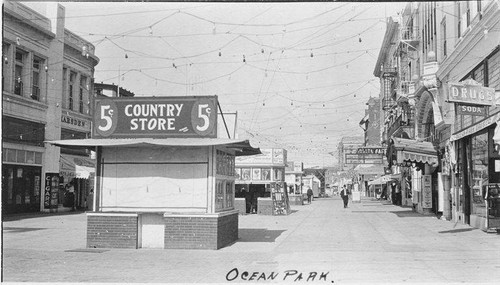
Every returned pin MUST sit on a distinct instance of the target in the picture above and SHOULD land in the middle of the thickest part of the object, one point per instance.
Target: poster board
(51, 190)
(281, 204)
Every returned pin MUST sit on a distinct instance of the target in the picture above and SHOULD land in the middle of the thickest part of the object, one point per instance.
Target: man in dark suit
(345, 195)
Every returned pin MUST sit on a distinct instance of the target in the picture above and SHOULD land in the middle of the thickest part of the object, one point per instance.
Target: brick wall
(240, 205)
(227, 230)
(200, 232)
(111, 231)
(265, 206)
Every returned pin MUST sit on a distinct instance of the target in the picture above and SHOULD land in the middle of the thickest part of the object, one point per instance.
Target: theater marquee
(156, 117)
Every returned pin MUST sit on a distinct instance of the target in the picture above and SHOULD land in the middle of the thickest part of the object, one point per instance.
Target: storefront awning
(72, 166)
(369, 169)
(481, 125)
(242, 147)
(414, 151)
(384, 179)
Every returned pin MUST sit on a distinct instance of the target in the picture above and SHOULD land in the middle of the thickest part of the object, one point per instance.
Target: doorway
(152, 231)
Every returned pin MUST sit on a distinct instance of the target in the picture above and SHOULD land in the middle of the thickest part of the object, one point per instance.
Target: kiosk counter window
(224, 195)
(160, 179)
(224, 185)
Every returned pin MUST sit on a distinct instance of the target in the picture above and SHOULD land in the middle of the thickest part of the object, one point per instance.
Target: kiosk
(163, 177)
(260, 183)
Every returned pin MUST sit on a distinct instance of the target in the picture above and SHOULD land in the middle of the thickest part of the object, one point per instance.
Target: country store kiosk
(164, 179)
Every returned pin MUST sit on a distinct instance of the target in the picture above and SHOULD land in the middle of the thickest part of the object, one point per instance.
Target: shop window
(494, 70)
(19, 69)
(21, 131)
(72, 79)
(219, 194)
(443, 35)
(229, 194)
(82, 93)
(21, 156)
(35, 79)
(65, 87)
(225, 164)
(6, 60)
(479, 173)
(22, 188)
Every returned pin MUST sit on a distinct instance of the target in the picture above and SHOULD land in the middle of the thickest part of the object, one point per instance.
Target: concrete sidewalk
(368, 242)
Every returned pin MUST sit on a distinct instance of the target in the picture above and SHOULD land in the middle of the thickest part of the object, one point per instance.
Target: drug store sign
(159, 117)
(471, 92)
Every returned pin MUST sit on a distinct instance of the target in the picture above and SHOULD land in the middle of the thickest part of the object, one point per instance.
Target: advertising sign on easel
(279, 195)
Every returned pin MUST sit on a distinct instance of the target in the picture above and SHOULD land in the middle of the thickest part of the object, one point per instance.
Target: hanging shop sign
(471, 92)
(51, 190)
(371, 150)
(471, 110)
(160, 117)
(427, 191)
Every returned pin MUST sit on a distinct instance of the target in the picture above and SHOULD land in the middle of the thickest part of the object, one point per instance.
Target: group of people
(394, 196)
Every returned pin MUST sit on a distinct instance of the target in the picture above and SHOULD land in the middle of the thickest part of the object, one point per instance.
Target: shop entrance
(20, 188)
(251, 199)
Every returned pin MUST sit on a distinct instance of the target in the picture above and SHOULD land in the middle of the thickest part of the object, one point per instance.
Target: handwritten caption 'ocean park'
(287, 275)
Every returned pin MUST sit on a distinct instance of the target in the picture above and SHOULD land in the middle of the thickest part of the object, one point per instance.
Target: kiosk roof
(242, 147)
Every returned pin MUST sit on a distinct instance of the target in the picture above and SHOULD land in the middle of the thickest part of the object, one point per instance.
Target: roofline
(389, 32)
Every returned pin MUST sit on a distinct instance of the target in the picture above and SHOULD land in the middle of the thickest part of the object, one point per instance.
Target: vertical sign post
(427, 191)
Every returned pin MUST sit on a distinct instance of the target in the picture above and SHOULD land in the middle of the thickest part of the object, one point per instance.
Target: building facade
(442, 73)
(47, 83)
(347, 148)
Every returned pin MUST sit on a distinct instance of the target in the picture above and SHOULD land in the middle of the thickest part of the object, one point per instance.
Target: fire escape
(401, 115)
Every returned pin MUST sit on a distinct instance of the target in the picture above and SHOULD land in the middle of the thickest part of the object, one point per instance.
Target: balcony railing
(406, 88)
(388, 103)
(410, 33)
(389, 71)
(403, 120)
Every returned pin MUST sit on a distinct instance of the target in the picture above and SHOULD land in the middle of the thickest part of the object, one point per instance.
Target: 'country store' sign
(159, 117)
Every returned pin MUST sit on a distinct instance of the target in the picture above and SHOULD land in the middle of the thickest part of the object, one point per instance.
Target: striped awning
(415, 151)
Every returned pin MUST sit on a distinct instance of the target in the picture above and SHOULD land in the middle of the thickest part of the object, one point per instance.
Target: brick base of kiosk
(182, 231)
(112, 230)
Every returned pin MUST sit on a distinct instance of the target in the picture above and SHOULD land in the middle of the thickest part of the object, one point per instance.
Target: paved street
(319, 243)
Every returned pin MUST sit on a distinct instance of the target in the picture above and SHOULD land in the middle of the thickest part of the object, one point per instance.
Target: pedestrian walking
(345, 195)
(309, 195)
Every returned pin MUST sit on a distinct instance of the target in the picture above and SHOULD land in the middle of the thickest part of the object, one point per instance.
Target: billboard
(158, 117)
(269, 156)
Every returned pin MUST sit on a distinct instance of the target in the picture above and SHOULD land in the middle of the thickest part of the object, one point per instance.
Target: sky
(298, 75)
